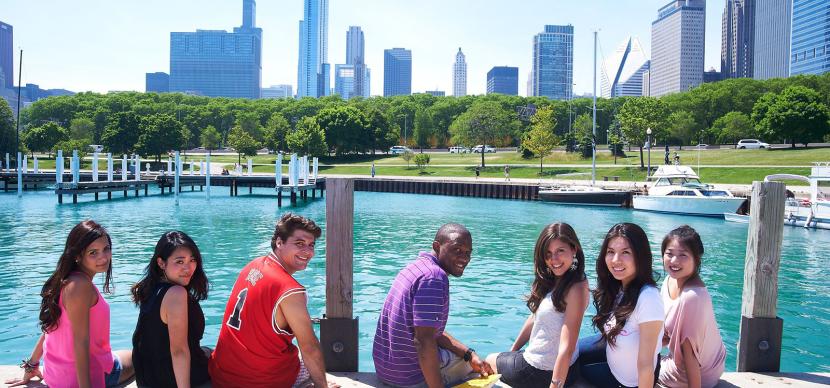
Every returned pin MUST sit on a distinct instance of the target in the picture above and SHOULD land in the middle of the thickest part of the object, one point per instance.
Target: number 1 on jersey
(234, 321)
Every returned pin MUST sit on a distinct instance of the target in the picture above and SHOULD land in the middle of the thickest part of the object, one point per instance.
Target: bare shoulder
(77, 285)
(176, 295)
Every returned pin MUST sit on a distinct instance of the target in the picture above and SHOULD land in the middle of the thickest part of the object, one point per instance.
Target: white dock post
(176, 174)
(25, 164)
(169, 167)
(137, 168)
(250, 167)
(35, 167)
(124, 167)
(76, 167)
(207, 176)
(109, 166)
(59, 167)
(19, 175)
(7, 166)
(95, 166)
(316, 165)
(278, 172)
(201, 167)
(296, 172)
(191, 168)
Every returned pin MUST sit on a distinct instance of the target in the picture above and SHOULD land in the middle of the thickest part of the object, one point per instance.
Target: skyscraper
(503, 80)
(278, 91)
(6, 55)
(737, 39)
(360, 82)
(622, 72)
(677, 47)
(217, 63)
(313, 79)
(158, 82)
(810, 37)
(771, 56)
(397, 72)
(553, 57)
(459, 75)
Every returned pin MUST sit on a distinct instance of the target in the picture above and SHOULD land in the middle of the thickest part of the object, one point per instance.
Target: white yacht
(677, 189)
(813, 212)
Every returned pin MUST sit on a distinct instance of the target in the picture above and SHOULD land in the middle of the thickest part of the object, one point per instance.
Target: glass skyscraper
(553, 57)
(397, 72)
(810, 37)
(353, 78)
(677, 47)
(313, 69)
(6, 55)
(737, 39)
(771, 56)
(459, 75)
(622, 72)
(217, 63)
(503, 80)
(157, 82)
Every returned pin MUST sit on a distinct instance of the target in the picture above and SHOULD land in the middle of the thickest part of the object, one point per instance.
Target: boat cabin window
(714, 193)
(676, 181)
(663, 182)
(683, 192)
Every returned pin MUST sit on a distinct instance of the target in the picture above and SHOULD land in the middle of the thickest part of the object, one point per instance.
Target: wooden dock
(88, 187)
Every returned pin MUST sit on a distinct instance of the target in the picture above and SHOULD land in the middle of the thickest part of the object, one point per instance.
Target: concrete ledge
(729, 379)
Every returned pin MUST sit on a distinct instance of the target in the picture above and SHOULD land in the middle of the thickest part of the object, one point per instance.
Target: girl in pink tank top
(75, 318)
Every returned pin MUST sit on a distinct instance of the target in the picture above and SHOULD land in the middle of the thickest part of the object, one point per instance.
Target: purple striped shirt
(420, 296)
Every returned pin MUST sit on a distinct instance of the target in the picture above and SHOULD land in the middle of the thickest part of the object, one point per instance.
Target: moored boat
(678, 190)
(815, 211)
(584, 195)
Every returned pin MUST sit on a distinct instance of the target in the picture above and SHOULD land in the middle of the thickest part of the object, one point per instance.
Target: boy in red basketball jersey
(266, 310)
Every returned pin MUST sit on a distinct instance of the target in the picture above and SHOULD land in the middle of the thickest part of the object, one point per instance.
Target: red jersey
(252, 351)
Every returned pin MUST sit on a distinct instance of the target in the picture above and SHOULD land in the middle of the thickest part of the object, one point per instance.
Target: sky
(109, 45)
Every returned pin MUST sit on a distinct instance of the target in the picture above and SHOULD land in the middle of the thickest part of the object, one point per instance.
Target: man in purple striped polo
(411, 348)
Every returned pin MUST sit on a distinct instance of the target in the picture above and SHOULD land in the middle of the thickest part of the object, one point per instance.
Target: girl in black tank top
(176, 265)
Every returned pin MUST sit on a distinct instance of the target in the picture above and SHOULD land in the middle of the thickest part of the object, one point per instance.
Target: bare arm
(649, 335)
(692, 365)
(446, 341)
(37, 353)
(294, 309)
(427, 347)
(78, 297)
(174, 314)
(577, 301)
(524, 335)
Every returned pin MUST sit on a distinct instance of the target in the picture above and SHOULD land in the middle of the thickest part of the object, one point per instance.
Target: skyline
(137, 37)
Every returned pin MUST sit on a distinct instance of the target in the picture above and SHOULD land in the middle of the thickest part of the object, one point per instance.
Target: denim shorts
(111, 378)
(516, 372)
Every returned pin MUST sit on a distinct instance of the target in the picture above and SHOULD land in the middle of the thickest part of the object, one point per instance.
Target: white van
(96, 147)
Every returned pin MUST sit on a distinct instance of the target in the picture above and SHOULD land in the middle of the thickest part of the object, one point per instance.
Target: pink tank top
(59, 356)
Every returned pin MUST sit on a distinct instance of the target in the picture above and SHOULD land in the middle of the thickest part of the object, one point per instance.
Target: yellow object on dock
(481, 382)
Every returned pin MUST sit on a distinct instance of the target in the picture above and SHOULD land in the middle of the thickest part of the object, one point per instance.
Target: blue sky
(103, 45)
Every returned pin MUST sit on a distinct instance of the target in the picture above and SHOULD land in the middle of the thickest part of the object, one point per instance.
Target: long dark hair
(153, 274)
(608, 287)
(83, 234)
(686, 236)
(545, 281)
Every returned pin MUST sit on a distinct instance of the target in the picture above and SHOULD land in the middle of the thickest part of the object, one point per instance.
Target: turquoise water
(487, 306)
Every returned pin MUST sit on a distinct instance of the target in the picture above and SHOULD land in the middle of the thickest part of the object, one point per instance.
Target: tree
(484, 123)
(797, 114)
(683, 127)
(160, 133)
(639, 114)
(423, 129)
(7, 129)
(210, 138)
(407, 155)
(732, 127)
(121, 133)
(541, 140)
(72, 145)
(584, 134)
(275, 132)
(383, 133)
(345, 129)
(83, 129)
(44, 137)
(422, 161)
(242, 142)
(309, 139)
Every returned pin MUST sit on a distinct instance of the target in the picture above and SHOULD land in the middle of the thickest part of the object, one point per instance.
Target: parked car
(702, 146)
(96, 147)
(751, 144)
(459, 150)
(397, 150)
(487, 149)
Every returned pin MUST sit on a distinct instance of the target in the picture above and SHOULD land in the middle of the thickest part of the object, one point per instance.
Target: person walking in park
(507, 172)
(478, 171)
(411, 347)
(373, 169)
(266, 311)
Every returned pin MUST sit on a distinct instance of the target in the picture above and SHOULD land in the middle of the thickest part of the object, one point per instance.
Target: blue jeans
(111, 378)
(593, 364)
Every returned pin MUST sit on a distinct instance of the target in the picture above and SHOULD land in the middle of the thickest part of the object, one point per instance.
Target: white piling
(250, 167)
(278, 171)
(137, 168)
(95, 166)
(176, 177)
(36, 169)
(169, 167)
(316, 165)
(207, 176)
(124, 168)
(25, 164)
(191, 168)
(19, 175)
(201, 167)
(7, 166)
(59, 167)
(109, 167)
(76, 167)
(296, 173)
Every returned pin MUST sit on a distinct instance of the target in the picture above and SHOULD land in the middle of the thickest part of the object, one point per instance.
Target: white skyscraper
(459, 75)
(622, 72)
(313, 78)
(677, 47)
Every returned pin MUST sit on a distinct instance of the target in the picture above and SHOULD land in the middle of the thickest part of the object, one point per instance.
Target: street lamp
(648, 142)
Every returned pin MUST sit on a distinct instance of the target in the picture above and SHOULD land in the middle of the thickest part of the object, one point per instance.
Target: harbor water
(487, 304)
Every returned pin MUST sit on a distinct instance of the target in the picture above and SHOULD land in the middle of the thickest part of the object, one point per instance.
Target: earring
(575, 262)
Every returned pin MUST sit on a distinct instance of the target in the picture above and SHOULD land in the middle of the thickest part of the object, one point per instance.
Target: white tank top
(543, 346)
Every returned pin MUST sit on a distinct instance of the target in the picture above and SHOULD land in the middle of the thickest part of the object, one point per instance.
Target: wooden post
(339, 330)
(759, 342)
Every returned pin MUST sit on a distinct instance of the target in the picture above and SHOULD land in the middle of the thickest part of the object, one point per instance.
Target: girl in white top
(629, 314)
(696, 352)
(557, 302)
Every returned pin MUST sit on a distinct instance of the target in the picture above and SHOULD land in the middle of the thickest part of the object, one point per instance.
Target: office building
(397, 72)
(459, 75)
(436, 93)
(278, 91)
(503, 80)
(810, 50)
(353, 78)
(677, 47)
(6, 56)
(737, 39)
(771, 56)
(313, 69)
(158, 82)
(552, 74)
(622, 72)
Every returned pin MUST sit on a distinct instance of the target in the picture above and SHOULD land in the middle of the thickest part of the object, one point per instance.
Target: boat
(735, 217)
(815, 211)
(584, 195)
(677, 189)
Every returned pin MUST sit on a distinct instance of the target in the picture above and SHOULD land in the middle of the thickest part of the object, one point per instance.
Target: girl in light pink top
(75, 319)
(696, 352)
